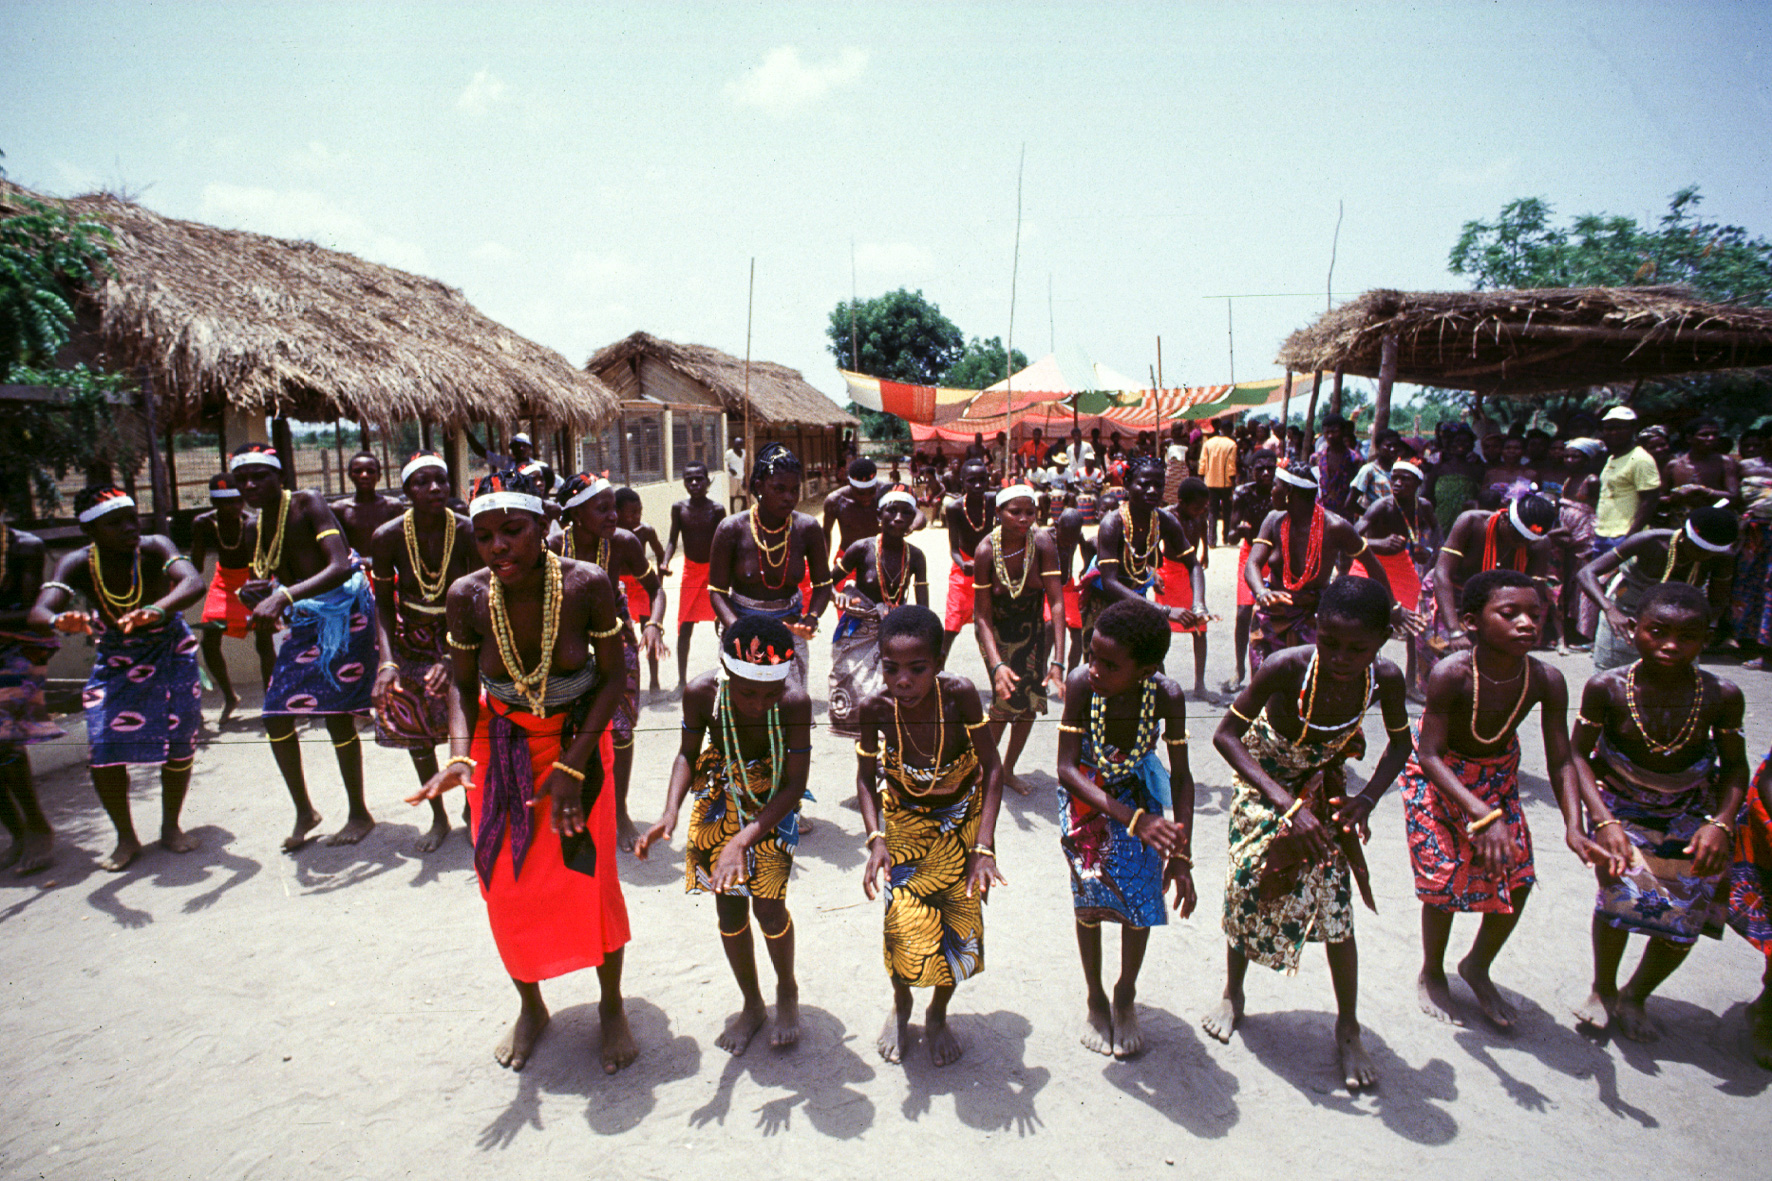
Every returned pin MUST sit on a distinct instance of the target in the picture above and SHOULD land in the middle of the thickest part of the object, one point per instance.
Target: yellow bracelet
(285, 593)
(325, 533)
(876, 835)
(385, 665)
(977, 724)
(865, 753)
(572, 771)
(1132, 824)
(1446, 549)
(985, 851)
(1477, 826)
(1239, 714)
(450, 762)
(1604, 823)
(460, 646)
(1067, 728)
(604, 635)
(1182, 741)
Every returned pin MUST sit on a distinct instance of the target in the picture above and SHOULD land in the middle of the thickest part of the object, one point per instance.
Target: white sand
(242, 1013)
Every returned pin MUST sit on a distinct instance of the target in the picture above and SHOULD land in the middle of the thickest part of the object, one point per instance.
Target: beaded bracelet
(460, 646)
(1067, 728)
(450, 762)
(1604, 823)
(604, 635)
(571, 771)
(876, 835)
(1477, 826)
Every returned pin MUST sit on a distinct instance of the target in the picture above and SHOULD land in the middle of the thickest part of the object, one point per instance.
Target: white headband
(108, 505)
(419, 463)
(519, 437)
(1691, 534)
(1403, 465)
(586, 493)
(1296, 480)
(1015, 492)
(898, 496)
(755, 672)
(521, 501)
(864, 485)
(1520, 527)
(248, 458)
(223, 493)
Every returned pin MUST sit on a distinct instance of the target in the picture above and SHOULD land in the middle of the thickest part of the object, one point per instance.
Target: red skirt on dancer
(223, 605)
(1245, 596)
(639, 602)
(1400, 569)
(961, 597)
(547, 920)
(1178, 591)
(693, 602)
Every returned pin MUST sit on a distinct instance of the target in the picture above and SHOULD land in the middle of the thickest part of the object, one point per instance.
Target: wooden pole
(1009, 339)
(338, 444)
(284, 442)
(1159, 362)
(750, 455)
(1285, 404)
(1387, 375)
(156, 474)
(1310, 418)
(1335, 394)
(1230, 332)
(172, 468)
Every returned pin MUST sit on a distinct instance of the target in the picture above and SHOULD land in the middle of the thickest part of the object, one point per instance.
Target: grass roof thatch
(274, 326)
(1536, 340)
(779, 395)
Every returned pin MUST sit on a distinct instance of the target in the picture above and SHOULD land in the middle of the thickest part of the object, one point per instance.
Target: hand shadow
(565, 1063)
(210, 860)
(1403, 1099)
(1038, 809)
(321, 868)
(992, 1085)
(818, 1072)
(1177, 1077)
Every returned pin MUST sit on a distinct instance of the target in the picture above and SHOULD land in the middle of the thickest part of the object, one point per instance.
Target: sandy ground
(241, 1013)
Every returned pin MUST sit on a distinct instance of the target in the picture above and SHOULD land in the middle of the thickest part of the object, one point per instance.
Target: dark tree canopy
(900, 336)
(982, 364)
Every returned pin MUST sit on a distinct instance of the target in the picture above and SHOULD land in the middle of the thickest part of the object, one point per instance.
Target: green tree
(900, 336)
(982, 364)
(45, 256)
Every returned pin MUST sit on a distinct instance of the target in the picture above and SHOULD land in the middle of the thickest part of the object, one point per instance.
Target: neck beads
(533, 685)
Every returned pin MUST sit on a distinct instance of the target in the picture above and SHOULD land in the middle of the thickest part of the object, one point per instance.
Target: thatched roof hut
(637, 367)
(268, 326)
(1532, 340)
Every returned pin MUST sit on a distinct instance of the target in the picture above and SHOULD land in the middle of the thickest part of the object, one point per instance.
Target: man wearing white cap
(1630, 483)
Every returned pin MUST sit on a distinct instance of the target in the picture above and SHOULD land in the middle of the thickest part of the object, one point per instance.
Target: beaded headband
(755, 672)
(267, 457)
(419, 463)
(111, 503)
(863, 485)
(1701, 543)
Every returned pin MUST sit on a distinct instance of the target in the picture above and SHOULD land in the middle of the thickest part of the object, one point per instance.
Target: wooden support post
(1335, 394)
(284, 442)
(1285, 406)
(363, 434)
(171, 470)
(338, 445)
(1310, 419)
(1387, 375)
(156, 472)
(424, 434)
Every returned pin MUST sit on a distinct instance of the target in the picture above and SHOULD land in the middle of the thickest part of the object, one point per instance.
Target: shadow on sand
(818, 1073)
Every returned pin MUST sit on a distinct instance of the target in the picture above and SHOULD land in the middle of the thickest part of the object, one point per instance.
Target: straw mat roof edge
(779, 396)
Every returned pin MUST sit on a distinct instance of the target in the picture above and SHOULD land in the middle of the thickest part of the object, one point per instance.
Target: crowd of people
(509, 629)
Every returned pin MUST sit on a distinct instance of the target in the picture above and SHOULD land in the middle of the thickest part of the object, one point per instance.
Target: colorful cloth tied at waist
(1115, 877)
(324, 664)
(143, 701)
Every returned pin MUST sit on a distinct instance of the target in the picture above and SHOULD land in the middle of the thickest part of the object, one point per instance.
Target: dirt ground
(238, 1013)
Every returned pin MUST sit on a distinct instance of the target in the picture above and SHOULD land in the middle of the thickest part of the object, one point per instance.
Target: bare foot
(742, 1028)
(1634, 1022)
(35, 851)
(1098, 1028)
(431, 841)
(517, 1045)
(787, 1018)
(805, 825)
(1498, 1011)
(1223, 1021)
(1014, 784)
(1231, 685)
(618, 1041)
(626, 835)
(1434, 994)
(895, 1035)
(299, 835)
(944, 1047)
(1128, 1038)
(230, 703)
(1596, 1011)
(353, 831)
(176, 840)
(1357, 1070)
(121, 856)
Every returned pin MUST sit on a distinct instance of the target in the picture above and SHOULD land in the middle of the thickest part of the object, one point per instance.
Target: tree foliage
(45, 256)
(983, 364)
(900, 336)
(83, 432)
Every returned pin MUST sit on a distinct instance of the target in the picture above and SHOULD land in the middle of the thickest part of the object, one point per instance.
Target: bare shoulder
(1171, 694)
(1725, 692)
(1387, 676)
(964, 693)
(796, 708)
(387, 531)
(699, 696)
(731, 526)
(27, 543)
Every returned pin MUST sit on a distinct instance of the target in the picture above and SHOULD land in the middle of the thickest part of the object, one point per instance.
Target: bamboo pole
(1285, 405)
(1387, 374)
(1310, 418)
(156, 473)
(750, 455)
(1335, 394)
(1009, 337)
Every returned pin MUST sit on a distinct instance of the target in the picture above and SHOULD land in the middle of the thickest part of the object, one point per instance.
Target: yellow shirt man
(1622, 482)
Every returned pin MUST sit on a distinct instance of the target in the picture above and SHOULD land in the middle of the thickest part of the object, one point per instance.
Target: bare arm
(696, 714)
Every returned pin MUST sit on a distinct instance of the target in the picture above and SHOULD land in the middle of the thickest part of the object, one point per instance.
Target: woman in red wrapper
(528, 635)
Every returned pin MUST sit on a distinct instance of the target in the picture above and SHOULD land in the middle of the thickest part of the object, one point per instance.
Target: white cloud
(316, 157)
(782, 81)
(1475, 175)
(302, 213)
(493, 252)
(892, 258)
(481, 93)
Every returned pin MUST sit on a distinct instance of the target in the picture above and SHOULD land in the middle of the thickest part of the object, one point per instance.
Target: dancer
(223, 612)
(368, 508)
(1067, 534)
(969, 518)
(143, 703)
(302, 570)
(693, 521)
(1468, 841)
(1130, 544)
(1250, 505)
(416, 558)
(757, 557)
(1019, 618)
(1518, 537)
(1121, 866)
(628, 509)
(528, 634)
(24, 707)
(1306, 542)
(748, 785)
(887, 573)
(1749, 886)
(1700, 552)
(1657, 741)
(1402, 535)
(1183, 580)
(931, 832)
(591, 535)
(1296, 833)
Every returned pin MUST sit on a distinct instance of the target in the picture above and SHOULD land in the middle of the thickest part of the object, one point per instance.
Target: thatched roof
(1536, 340)
(282, 327)
(779, 395)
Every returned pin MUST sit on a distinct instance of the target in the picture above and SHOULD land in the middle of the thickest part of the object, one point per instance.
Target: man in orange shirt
(1218, 467)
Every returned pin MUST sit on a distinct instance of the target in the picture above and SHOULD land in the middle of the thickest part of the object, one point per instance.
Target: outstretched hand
(565, 793)
(74, 622)
(879, 860)
(1177, 874)
(454, 775)
(660, 832)
(981, 874)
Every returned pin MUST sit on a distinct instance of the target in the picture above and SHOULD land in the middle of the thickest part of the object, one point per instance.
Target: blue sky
(581, 172)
